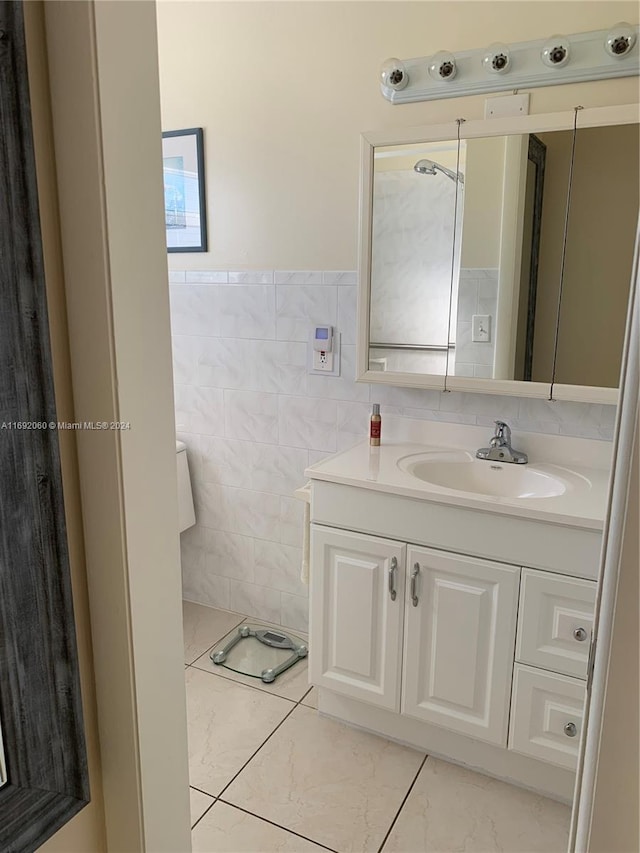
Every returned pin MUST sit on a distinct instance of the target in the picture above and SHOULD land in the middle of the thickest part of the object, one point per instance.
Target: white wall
(283, 91)
(477, 294)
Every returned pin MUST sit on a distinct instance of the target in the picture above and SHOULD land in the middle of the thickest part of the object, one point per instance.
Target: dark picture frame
(40, 699)
(184, 190)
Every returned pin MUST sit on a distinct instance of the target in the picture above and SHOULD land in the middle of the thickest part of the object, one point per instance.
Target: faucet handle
(503, 431)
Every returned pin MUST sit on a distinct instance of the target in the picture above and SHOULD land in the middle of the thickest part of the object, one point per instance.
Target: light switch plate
(481, 328)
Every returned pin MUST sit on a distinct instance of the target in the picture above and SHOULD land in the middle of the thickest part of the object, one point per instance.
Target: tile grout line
(295, 705)
(253, 755)
(406, 797)
(242, 684)
(284, 828)
(208, 649)
(208, 809)
(200, 791)
(288, 714)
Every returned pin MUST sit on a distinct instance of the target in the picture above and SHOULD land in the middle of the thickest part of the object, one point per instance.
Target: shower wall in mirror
(469, 245)
(415, 194)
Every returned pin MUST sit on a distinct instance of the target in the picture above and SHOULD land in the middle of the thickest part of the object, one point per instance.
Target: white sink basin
(462, 472)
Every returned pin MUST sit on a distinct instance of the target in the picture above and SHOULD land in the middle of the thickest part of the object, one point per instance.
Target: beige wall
(483, 187)
(283, 91)
(602, 224)
(85, 832)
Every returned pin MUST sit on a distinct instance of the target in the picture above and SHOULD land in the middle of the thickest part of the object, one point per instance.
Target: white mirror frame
(542, 123)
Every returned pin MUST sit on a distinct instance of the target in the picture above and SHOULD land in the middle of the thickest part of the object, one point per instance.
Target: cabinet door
(357, 603)
(459, 642)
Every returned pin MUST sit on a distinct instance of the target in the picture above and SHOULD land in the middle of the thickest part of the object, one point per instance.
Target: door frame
(119, 335)
(105, 105)
(616, 518)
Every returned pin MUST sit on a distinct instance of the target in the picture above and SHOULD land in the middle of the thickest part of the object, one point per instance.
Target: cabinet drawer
(546, 716)
(555, 622)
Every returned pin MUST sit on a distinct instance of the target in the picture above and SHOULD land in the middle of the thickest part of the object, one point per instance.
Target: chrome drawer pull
(415, 571)
(570, 730)
(580, 635)
(392, 578)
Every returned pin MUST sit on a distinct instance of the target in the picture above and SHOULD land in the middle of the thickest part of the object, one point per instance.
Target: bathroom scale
(260, 652)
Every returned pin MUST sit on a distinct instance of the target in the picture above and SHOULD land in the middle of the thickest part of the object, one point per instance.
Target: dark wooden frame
(40, 701)
(537, 155)
(199, 137)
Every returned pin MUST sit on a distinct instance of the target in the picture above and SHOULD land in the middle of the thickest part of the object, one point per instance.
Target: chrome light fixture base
(597, 55)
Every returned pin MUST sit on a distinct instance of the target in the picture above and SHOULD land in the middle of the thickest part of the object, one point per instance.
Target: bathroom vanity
(458, 619)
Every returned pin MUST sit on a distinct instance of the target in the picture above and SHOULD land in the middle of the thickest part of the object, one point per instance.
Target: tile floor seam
(279, 825)
(299, 702)
(206, 793)
(253, 755)
(409, 827)
(410, 783)
(244, 684)
(208, 809)
(406, 797)
(208, 649)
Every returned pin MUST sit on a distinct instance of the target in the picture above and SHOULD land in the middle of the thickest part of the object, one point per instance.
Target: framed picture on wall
(184, 195)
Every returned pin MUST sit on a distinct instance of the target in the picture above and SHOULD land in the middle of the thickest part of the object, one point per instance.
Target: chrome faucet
(500, 449)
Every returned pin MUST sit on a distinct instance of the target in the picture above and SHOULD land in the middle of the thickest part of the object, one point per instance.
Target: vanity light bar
(597, 55)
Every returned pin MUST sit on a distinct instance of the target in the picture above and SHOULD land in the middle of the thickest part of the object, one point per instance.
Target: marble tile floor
(269, 774)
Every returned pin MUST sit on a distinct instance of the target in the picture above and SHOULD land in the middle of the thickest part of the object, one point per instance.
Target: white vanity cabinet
(357, 610)
(458, 617)
(459, 638)
(460, 626)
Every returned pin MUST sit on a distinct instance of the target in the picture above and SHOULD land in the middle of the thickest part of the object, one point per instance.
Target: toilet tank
(186, 512)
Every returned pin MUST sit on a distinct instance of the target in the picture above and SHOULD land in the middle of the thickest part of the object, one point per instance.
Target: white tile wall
(477, 294)
(417, 211)
(253, 419)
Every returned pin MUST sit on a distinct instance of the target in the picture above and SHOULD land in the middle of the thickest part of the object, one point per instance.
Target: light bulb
(497, 59)
(442, 66)
(556, 52)
(620, 39)
(393, 74)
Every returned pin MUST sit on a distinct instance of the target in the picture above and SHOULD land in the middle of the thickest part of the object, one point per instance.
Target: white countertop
(583, 504)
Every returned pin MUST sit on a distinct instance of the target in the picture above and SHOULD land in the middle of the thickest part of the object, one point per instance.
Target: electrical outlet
(323, 361)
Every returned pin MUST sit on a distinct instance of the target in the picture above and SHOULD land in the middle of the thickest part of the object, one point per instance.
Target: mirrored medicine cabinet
(496, 255)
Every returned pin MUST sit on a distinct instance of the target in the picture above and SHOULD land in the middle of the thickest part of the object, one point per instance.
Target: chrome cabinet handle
(415, 571)
(570, 730)
(392, 578)
(580, 635)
